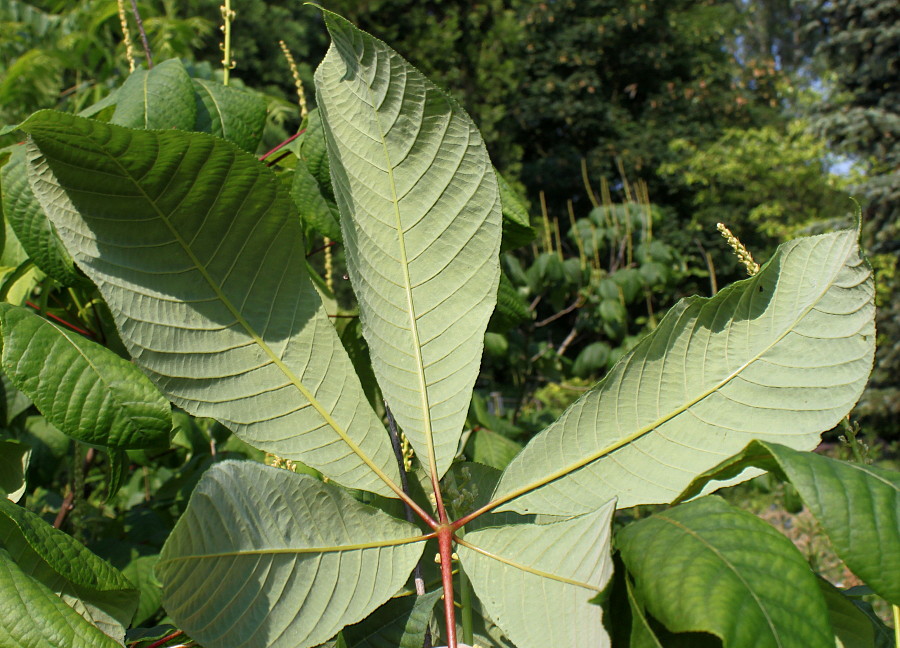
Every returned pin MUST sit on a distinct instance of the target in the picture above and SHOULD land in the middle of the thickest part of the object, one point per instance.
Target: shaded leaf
(32, 616)
(706, 566)
(536, 580)
(517, 230)
(195, 247)
(302, 558)
(399, 623)
(781, 356)
(851, 626)
(14, 456)
(160, 98)
(230, 113)
(33, 230)
(492, 449)
(319, 214)
(857, 505)
(420, 214)
(83, 388)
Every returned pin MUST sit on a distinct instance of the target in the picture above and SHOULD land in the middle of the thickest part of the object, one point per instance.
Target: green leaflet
(517, 230)
(538, 579)
(709, 567)
(399, 623)
(858, 506)
(14, 457)
(781, 356)
(32, 616)
(196, 249)
(162, 97)
(850, 624)
(29, 222)
(303, 559)
(232, 114)
(420, 215)
(57, 561)
(81, 387)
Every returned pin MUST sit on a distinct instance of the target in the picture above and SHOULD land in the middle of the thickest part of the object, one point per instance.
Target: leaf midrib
(294, 379)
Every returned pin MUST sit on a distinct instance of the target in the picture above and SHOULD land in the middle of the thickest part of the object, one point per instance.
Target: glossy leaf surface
(83, 388)
(302, 559)
(782, 356)
(420, 214)
(195, 247)
(706, 566)
(536, 580)
(857, 505)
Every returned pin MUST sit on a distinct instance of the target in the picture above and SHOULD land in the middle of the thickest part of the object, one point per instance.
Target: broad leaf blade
(232, 114)
(709, 567)
(32, 616)
(781, 356)
(33, 230)
(301, 559)
(544, 601)
(420, 214)
(857, 505)
(195, 247)
(162, 97)
(89, 585)
(83, 388)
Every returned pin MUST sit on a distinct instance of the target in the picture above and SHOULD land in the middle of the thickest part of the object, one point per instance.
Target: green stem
(896, 609)
(227, 63)
(852, 441)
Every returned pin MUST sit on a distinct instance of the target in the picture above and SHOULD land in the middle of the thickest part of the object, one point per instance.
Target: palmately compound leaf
(420, 214)
(282, 560)
(782, 356)
(33, 230)
(88, 584)
(162, 97)
(709, 567)
(196, 248)
(33, 616)
(81, 387)
(536, 580)
(857, 505)
(229, 113)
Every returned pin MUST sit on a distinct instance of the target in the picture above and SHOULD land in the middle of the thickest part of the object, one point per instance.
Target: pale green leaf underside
(162, 97)
(32, 616)
(195, 247)
(706, 566)
(83, 388)
(548, 606)
(857, 505)
(301, 559)
(781, 356)
(420, 213)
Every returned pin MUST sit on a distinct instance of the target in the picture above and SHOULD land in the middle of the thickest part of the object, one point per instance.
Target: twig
(568, 309)
(166, 639)
(140, 26)
(282, 144)
(69, 500)
(565, 343)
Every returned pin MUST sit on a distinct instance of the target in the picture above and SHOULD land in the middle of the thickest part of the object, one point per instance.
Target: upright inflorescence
(743, 254)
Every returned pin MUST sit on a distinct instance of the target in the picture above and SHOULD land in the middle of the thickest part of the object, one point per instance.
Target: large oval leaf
(420, 213)
(782, 356)
(536, 580)
(299, 559)
(83, 388)
(162, 97)
(709, 567)
(196, 248)
(857, 505)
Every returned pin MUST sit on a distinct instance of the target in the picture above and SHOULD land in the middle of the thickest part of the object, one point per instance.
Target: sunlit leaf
(162, 97)
(230, 113)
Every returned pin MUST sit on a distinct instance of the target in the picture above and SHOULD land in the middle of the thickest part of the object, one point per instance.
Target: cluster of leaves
(195, 250)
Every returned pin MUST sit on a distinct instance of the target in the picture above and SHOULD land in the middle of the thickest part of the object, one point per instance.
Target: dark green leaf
(230, 113)
(399, 623)
(160, 98)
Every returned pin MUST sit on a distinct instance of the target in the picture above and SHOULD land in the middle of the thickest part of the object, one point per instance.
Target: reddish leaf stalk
(445, 545)
(166, 639)
(282, 144)
(61, 320)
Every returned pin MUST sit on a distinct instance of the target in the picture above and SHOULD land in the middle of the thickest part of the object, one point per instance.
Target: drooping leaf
(33, 230)
(857, 505)
(420, 214)
(314, 153)
(512, 309)
(230, 113)
(706, 566)
(14, 456)
(517, 229)
(140, 572)
(492, 449)
(32, 616)
(162, 98)
(536, 580)
(399, 623)
(89, 585)
(83, 388)
(642, 635)
(319, 214)
(196, 249)
(851, 626)
(781, 356)
(301, 558)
